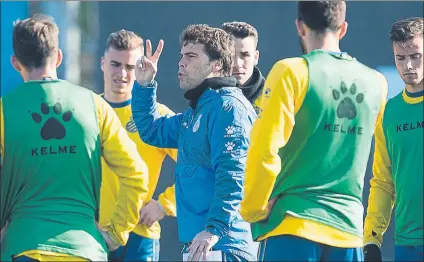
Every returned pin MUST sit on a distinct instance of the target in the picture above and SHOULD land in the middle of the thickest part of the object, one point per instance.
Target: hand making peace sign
(147, 66)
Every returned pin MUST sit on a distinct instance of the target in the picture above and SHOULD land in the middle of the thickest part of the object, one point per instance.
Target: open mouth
(120, 81)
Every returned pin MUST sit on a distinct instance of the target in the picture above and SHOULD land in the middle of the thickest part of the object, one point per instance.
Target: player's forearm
(145, 112)
(132, 194)
(382, 191)
(271, 132)
(122, 157)
(380, 206)
(263, 164)
(227, 197)
(154, 129)
(258, 186)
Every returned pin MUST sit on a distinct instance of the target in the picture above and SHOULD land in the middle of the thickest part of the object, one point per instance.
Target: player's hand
(151, 213)
(201, 245)
(3, 231)
(109, 242)
(271, 203)
(147, 66)
(372, 253)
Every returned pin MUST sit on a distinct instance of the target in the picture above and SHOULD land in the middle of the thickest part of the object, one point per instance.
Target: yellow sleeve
(285, 89)
(382, 192)
(168, 202)
(121, 155)
(167, 198)
(385, 90)
(1, 133)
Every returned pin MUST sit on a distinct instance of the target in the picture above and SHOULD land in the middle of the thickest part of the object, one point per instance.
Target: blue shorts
(409, 253)
(226, 257)
(24, 259)
(293, 248)
(138, 248)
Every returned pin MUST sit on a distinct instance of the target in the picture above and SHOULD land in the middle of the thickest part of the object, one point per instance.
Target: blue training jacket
(212, 142)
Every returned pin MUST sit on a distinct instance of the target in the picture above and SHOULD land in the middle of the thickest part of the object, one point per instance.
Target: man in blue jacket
(212, 137)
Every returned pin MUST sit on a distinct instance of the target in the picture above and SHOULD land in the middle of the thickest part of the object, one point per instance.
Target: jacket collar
(252, 89)
(214, 83)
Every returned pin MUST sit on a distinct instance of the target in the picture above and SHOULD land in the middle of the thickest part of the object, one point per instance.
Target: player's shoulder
(98, 98)
(68, 84)
(296, 65)
(291, 62)
(396, 98)
(103, 107)
(381, 77)
(371, 70)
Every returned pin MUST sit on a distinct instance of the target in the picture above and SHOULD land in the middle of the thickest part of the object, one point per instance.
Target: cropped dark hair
(406, 29)
(35, 40)
(241, 30)
(124, 40)
(322, 16)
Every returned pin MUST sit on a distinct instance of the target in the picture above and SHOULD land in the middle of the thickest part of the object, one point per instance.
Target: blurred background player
(246, 59)
(398, 158)
(123, 49)
(53, 135)
(309, 152)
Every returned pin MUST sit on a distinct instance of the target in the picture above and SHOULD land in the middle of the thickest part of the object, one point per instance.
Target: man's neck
(40, 74)
(326, 43)
(116, 98)
(215, 74)
(415, 88)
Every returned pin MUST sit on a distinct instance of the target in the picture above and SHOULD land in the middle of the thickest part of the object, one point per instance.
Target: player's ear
(256, 57)
(300, 26)
(343, 30)
(217, 66)
(15, 63)
(102, 62)
(59, 58)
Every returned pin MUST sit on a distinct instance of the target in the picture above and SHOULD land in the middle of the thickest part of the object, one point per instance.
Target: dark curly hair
(219, 45)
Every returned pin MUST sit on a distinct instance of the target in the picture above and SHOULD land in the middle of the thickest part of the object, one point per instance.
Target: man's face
(194, 66)
(409, 60)
(119, 69)
(245, 58)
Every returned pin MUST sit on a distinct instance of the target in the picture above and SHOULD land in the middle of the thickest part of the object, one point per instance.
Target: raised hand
(147, 66)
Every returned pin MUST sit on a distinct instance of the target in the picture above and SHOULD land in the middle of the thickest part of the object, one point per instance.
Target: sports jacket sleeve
(154, 129)
(228, 132)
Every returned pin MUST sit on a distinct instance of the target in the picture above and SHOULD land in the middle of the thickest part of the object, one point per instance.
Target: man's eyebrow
(188, 53)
